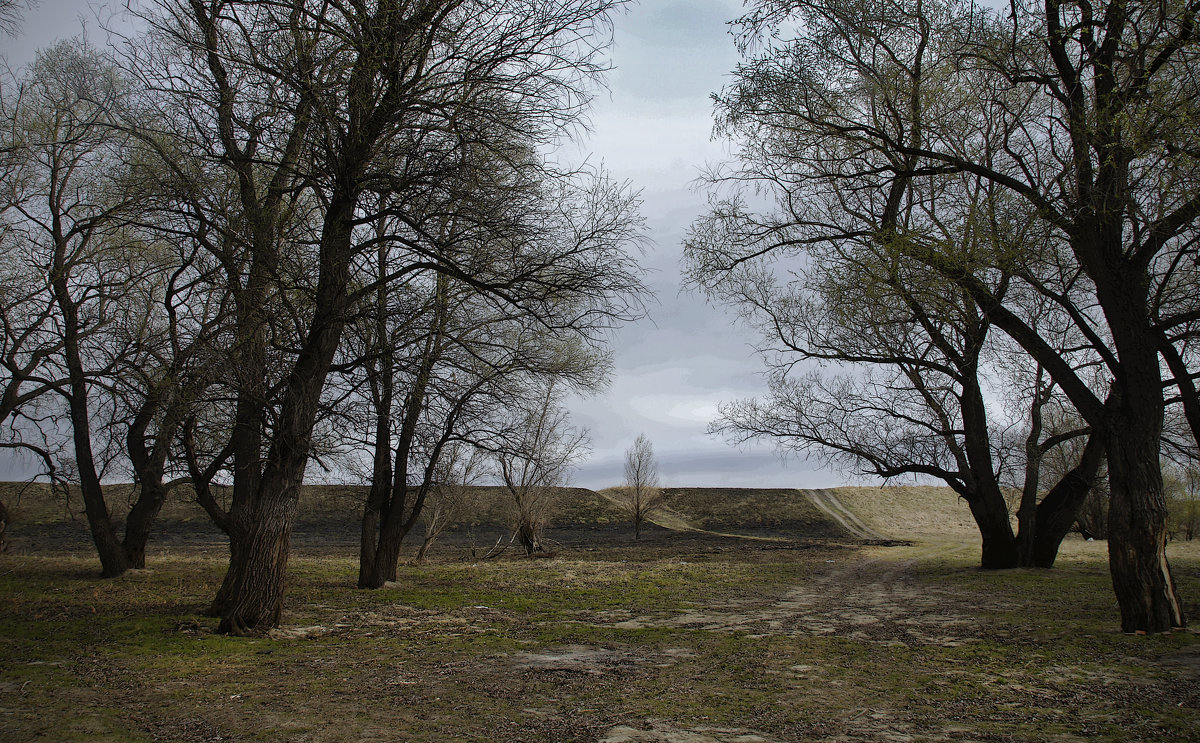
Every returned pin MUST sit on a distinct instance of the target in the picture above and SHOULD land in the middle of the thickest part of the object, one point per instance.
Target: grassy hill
(910, 511)
(901, 512)
(725, 509)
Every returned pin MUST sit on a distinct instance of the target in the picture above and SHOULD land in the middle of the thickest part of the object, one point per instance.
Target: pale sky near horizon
(653, 128)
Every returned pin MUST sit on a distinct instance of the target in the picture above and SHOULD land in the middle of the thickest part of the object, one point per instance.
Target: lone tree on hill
(642, 494)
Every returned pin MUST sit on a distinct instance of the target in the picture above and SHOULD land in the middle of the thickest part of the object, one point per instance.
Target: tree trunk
(1059, 509)
(250, 601)
(527, 534)
(398, 515)
(381, 376)
(377, 500)
(1029, 525)
(387, 555)
(251, 596)
(113, 561)
(3, 527)
(1137, 516)
(141, 519)
(426, 544)
(985, 499)
(999, 545)
(1137, 537)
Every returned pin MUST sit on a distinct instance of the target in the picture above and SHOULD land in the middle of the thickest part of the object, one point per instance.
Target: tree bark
(1137, 537)
(999, 551)
(1059, 509)
(251, 596)
(113, 560)
(987, 500)
(395, 516)
(140, 521)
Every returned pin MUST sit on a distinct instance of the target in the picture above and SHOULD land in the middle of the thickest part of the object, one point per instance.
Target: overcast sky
(654, 129)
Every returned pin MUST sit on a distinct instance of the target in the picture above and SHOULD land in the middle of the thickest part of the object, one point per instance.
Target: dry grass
(910, 511)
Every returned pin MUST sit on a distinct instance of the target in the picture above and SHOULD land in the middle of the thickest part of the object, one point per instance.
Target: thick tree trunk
(985, 498)
(1137, 516)
(1137, 538)
(385, 560)
(1029, 525)
(999, 544)
(251, 598)
(530, 537)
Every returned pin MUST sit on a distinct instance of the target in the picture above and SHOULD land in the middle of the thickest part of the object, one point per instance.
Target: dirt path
(827, 502)
(876, 599)
(874, 596)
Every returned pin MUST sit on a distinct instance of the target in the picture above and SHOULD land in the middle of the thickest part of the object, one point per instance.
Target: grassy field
(688, 637)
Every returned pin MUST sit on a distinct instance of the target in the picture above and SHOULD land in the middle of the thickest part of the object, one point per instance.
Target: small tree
(460, 466)
(643, 496)
(536, 462)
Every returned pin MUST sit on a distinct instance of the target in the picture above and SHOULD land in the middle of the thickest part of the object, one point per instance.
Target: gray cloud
(672, 51)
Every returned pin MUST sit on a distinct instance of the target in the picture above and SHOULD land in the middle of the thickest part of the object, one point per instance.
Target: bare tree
(539, 450)
(69, 170)
(1064, 112)
(300, 122)
(11, 15)
(642, 494)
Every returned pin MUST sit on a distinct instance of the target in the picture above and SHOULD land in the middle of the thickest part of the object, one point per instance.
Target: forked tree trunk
(141, 520)
(395, 516)
(530, 537)
(373, 511)
(426, 545)
(1059, 509)
(387, 555)
(250, 600)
